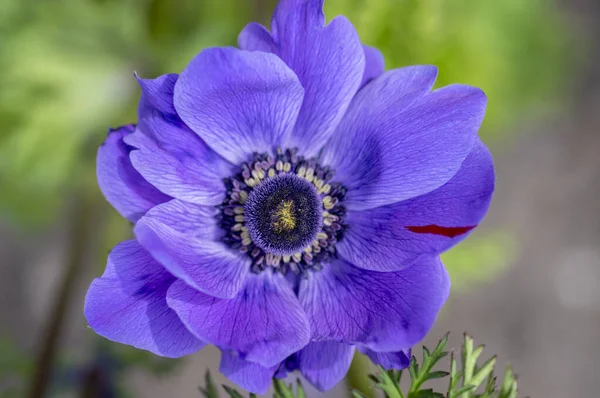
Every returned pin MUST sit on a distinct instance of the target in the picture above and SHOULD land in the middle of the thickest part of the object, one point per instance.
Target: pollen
(284, 217)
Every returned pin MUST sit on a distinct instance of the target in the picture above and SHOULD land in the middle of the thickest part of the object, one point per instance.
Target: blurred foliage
(479, 258)
(515, 50)
(15, 366)
(106, 370)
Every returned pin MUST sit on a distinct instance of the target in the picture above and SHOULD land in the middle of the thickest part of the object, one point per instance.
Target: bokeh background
(527, 283)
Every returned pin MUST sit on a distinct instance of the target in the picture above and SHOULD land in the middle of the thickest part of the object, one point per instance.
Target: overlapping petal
(128, 304)
(388, 360)
(328, 59)
(255, 37)
(398, 140)
(392, 237)
(122, 185)
(264, 323)
(250, 376)
(239, 102)
(385, 311)
(374, 64)
(171, 156)
(325, 363)
(186, 239)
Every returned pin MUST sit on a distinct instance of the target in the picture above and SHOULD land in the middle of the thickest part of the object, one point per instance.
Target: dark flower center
(284, 212)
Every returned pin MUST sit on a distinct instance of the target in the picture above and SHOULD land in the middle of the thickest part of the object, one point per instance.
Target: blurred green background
(67, 75)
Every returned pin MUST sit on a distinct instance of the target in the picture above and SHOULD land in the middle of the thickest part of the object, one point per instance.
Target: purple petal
(255, 37)
(264, 322)
(124, 188)
(251, 376)
(128, 304)
(386, 311)
(171, 156)
(325, 363)
(399, 140)
(238, 102)
(388, 360)
(374, 64)
(185, 239)
(329, 61)
(392, 237)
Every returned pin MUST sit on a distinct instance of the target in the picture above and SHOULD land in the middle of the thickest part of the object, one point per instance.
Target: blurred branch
(80, 231)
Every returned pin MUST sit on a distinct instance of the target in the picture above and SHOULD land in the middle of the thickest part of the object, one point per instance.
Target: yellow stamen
(310, 174)
(284, 215)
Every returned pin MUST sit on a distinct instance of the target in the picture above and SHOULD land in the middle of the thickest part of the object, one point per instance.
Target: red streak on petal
(450, 232)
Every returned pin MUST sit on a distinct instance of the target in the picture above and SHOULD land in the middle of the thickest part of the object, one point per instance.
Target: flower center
(284, 212)
(284, 218)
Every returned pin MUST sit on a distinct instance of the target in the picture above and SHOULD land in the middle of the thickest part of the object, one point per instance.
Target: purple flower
(290, 201)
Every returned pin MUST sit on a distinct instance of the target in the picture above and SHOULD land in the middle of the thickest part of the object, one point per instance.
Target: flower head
(290, 201)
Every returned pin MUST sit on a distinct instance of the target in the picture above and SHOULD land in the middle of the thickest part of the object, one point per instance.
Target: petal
(185, 239)
(325, 363)
(124, 188)
(329, 61)
(386, 311)
(238, 102)
(171, 156)
(251, 376)
(399, 140)
(128, 304)
(264, 322)
(255, 37)
(392, 237)
(388, 360)
(374, 64)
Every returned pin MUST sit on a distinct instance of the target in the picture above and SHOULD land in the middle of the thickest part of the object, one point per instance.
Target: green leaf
(232, 392)
(282, 390)
(388, 384)
(437, 375)
(463, 390)
(509, 384)
(426, 354)
(358, 394)
(300, 393)
(210, 390)
(429, 393)
(484, 372)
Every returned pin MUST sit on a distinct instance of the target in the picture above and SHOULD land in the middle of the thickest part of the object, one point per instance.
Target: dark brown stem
(78, 239)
